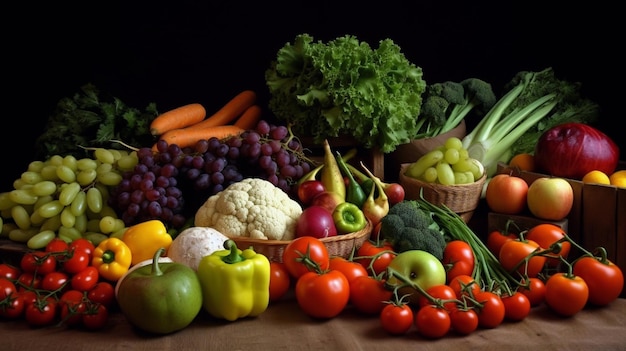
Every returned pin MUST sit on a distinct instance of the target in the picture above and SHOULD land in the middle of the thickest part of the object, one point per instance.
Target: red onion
(571, 150)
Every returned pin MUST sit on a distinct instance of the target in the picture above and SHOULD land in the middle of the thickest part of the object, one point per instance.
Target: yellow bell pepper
(144, 239)
(235, 283)
(112, 258)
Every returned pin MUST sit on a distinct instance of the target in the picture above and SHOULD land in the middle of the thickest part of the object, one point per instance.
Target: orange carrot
(249, 118)
(233, 109)
(184, 137)
(179, 117)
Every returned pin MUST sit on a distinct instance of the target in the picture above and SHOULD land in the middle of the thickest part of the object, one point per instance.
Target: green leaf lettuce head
(346, 87)
(90, 118)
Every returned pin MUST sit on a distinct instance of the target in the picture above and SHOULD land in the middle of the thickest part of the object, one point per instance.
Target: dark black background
(207, 52)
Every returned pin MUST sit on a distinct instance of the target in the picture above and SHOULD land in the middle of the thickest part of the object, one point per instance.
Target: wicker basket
(462, 198)
(338, 245)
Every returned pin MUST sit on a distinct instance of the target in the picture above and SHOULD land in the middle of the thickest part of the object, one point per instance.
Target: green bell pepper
(235, 283)
(348, 218)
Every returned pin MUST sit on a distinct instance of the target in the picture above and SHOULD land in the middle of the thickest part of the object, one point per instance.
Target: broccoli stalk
(409, 227)
(447, 103)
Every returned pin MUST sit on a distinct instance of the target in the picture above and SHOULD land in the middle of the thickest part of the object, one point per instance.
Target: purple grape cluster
(172, 183)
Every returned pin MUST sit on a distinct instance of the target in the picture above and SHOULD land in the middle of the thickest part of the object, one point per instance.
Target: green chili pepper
(354, 192)
(348, 218)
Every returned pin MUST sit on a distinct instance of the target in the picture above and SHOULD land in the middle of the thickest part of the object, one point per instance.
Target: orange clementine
(596, 177)
(523, 162)
(618, 178)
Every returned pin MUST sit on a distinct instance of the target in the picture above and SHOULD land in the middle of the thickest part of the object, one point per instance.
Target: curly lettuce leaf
(344, 87)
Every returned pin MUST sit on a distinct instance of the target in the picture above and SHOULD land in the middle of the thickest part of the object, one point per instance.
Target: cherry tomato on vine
(57, 245)
(396, 319)
(514, 252)
(103, 293)
(432, 322)
(441, 292)
(86, 279)
(458, 259)
(546, 234)
(95, 317)
(350, 269)
(54, 281)
(368, 294)
(464, 321)
(84, 245)
(565, 294)
(41, 313)
(464, 285)
(496, 239)
(75, 261)
(29, 296)
(604, 279)
(28, 281)
(13, 306)
(516, 306)
(280, 280)
(370, 249)
(305, 245)
(71, 297)
(491, 314)
(535, 291)
(323, 295)
(38, 262)
(72, 313)
(7, 288)
(9, 271)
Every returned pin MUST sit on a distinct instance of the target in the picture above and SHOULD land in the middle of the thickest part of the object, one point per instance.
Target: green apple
(420, 268)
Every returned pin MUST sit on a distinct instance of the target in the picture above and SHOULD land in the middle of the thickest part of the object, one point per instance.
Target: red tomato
(604, 279)
(368, 294)
(323, 295)
(103, 293)
(458, 259)
(280, 280)
(86, 279)
(72, 313)
(464, 321)
(7, 288)
(350, 269)
(38, 262)
(95, 317)
(29, 281)
(566, 295)
(496, 239)
(29, 296)
(506, 194)
(516, 306)
(464, 285)
(547, 234)
(535, 291)
(301, 247)
(383, 253)
(9, 271)
(12, 307)
(492, 312)
(71, 297)
(396, 319)
(57, 245)
(41, 313)
(432, 322)
(439, 292)
(54, 281)
(75, 261)
(82, 245)
(514, 252)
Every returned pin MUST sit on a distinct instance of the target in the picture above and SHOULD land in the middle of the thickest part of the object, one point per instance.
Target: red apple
(328, 200)
(309, 189)
(550, 198)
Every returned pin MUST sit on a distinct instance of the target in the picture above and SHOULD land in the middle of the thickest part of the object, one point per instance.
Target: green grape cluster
(65, 197)
(448, 164)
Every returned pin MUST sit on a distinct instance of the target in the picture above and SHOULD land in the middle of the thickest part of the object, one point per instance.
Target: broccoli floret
(446, 104)
(409, 227)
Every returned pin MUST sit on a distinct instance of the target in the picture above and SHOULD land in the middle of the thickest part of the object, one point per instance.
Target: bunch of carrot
(187, 124)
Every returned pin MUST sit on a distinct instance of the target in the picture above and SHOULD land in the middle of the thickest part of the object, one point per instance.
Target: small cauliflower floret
(252, 207)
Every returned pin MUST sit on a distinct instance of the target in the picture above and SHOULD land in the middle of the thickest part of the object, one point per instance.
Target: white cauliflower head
(252, 207)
